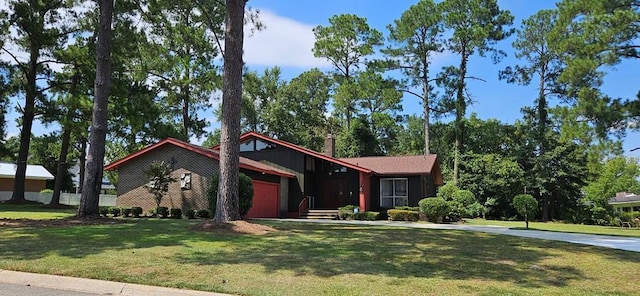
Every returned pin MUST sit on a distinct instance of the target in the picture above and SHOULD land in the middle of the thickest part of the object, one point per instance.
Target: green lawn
(311, 259)
(562, 227)
(32, 211)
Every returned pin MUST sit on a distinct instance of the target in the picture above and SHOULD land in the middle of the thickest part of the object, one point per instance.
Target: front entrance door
(335, 194)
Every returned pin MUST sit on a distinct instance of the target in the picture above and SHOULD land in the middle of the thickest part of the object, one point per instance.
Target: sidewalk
(90, 286)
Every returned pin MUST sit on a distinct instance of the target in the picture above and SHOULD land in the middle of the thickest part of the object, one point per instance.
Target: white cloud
(283, 42)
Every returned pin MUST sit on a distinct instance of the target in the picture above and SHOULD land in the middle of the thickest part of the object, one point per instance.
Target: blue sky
(288, 39)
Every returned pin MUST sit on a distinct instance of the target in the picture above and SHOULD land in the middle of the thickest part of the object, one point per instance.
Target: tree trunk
(95, 160)
(227, 204)
(62, 167)
(82, 162)
(27, 122)
(461, 109)
(425, 105)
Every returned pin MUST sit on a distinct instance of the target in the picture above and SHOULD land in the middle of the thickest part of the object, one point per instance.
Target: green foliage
(464, 205)
(403, 215)
(159, 174)
(447, 191)
(136, 212)
(434, 208)
(408, 208)
(347, 212)
(366, 216)
(629, 216)
(175, 213)
(114, 211)
(190, 214)
(358, 141)
(162, 212)
(245, 194)
(526, 206)
(203, 214)
(126, 212)
(104, 211)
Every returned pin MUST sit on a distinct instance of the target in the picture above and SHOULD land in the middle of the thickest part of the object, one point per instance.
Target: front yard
(319, 259)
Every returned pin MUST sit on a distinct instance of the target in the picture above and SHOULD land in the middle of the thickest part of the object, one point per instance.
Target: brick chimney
(330, 145)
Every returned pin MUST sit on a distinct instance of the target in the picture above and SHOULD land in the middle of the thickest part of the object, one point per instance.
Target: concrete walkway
(57, 285)
(607, 241)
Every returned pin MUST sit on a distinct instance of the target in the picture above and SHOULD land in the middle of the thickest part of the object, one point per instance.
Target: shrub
(162, 212)
(176, 213)
(115, 211)
(190, 214)
(628, 216)
(136, 211)
(526, 205)
(447, 191)
(245, 194)
(434, 208)
(202, 214)
(104, 211)
(366, 216)
(407, 208)
(464, 205)
(403, 215)
(126, 212)
(346, 212)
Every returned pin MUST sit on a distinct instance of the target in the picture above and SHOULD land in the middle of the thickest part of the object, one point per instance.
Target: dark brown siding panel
(415, 190)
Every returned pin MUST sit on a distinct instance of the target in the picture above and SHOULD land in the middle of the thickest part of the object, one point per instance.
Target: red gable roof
(245, 163)
(301, 150)
(399, 165)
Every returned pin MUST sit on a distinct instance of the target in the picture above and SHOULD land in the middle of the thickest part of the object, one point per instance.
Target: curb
(93, 286)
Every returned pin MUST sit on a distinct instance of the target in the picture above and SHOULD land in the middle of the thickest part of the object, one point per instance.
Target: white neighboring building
(35, 180)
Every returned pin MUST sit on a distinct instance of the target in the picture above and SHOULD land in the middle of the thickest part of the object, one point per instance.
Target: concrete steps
(320, 214)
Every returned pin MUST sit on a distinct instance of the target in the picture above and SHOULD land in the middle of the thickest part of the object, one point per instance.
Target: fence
(72, 199)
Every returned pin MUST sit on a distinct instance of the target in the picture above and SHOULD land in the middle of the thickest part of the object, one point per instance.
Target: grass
(561, 227)
(32, 211)
(318, 259)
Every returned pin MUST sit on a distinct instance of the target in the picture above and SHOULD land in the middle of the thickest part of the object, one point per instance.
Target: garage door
(265, 200)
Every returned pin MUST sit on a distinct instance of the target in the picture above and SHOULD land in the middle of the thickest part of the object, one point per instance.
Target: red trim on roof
(302, 150)
(245, 163)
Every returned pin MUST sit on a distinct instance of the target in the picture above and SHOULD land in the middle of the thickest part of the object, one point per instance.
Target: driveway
(607, 241)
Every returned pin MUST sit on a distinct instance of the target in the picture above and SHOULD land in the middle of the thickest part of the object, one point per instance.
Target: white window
(394, 192)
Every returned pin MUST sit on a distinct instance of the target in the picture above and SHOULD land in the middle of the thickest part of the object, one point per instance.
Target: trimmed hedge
(190, 214)
(115, 211)
(136, 212)
(104, 211)
(403, 215)
(126, 212)
(202, 214)
(162, 212)
(176, 213)
(346, 212)
(366, 216)
(434, 208)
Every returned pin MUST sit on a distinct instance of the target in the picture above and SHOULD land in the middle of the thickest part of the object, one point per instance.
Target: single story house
(193, 167)
(288, 179)
(625, 202)
(35, 180)
(323, 181)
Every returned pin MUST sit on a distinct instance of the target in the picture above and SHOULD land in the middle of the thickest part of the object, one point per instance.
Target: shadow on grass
(321, 250)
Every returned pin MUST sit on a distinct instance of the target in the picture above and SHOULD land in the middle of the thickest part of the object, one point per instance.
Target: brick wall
(131, 179)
